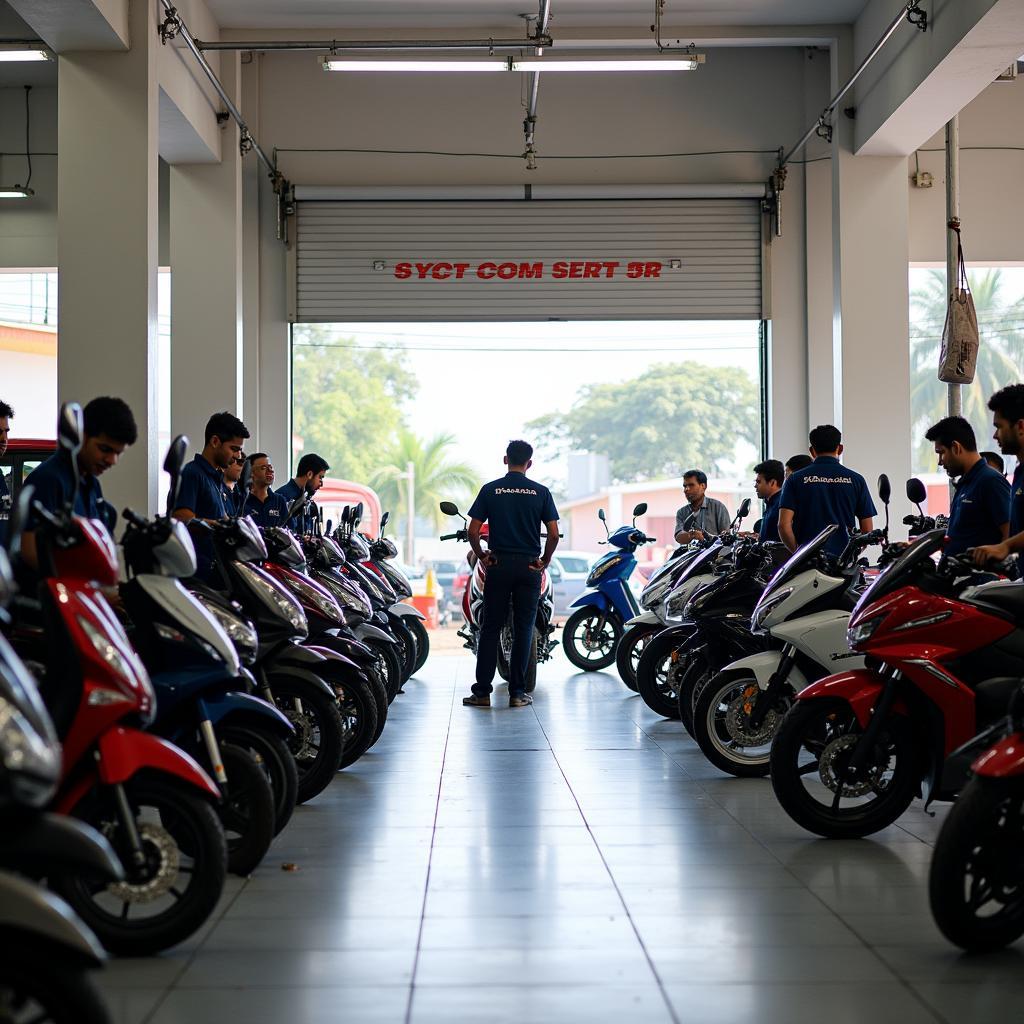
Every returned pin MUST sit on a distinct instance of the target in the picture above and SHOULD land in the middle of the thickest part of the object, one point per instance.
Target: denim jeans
(510, 579)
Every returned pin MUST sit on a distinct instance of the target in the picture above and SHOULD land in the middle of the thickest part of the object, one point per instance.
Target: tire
(247, 811)
(422, 638)
(630, 648)
(277, 762)
(390, 666)
(43, 984)
(656, 673)
(809, 730)
(587, 652)
(531, 665)
(694, 674)
(380, 697)
(720, 726)
(977, 855)
(406, 646)
(358, 709)
(187, 827)
(319, 740)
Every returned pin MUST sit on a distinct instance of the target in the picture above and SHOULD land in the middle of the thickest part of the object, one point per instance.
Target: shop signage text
(562, 270)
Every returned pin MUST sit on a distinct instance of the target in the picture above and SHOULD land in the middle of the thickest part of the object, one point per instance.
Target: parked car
(569, 571)
(22, 456)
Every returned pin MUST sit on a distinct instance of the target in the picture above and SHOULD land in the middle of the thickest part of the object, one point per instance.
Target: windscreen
(799, 561)
(901, 571)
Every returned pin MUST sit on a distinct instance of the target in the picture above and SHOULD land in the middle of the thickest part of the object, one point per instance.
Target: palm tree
(436, 476)
(999, 356)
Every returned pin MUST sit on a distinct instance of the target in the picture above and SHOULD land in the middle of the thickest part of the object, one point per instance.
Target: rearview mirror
(328, 528)
(175, 458)
(449, 508)
(744, 509)
(600, 514)
(70, 427)
(384, 521)
(245, 479)
(357, 515)
(639, 510)
(884, 489)
(916, 491)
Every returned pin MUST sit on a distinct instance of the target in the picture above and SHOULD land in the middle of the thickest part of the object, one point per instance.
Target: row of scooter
(858, 688)
(158, 733)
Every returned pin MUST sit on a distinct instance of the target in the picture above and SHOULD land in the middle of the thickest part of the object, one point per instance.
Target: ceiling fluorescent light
(526, 64)
(688, 63)
(19, 53)
(16, 193)
(334, 64)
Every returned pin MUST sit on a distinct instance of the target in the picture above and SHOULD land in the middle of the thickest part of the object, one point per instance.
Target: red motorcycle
(150, 799)
(856, 747)
(976, 884)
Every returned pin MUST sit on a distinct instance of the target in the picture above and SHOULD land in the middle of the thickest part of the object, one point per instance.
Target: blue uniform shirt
(5, 507)
(770, 521)
(53, 482)
(515, 508)
(823, 493)
(232, 500)
(980, 507)
(290, 491)
(267, 513)
(1017, 500)
(202, 494)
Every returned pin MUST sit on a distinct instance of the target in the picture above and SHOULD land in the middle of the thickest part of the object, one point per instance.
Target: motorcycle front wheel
(658, 673)
(390, 664)
(37, 986)
(588, 643)
(631, 648)
(422, 637)
(406, 646)
(277, 762)
(247, 810)
(358, 707)
(975, 885)
(812, 780)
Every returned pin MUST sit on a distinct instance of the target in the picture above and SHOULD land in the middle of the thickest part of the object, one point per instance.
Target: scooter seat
(992, 698)
(1006, 597)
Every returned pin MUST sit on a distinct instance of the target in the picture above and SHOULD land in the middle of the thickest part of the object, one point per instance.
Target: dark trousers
(510, 579)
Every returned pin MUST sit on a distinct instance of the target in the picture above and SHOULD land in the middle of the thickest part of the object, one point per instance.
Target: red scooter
(856, 747)
(976, 884)
(150, 799)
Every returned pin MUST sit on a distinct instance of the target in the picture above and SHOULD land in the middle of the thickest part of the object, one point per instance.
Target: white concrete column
(871, 314)
(107, 241)
(206, 281)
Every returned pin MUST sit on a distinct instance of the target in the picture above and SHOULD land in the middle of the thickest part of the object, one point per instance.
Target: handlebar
(458, 535)
(134, 518)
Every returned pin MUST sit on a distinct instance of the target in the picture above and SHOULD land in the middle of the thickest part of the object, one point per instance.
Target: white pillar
(206, 282)
(872, 315)
(107, 190)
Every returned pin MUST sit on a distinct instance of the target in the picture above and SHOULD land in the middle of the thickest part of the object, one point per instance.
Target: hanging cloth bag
(958, 357)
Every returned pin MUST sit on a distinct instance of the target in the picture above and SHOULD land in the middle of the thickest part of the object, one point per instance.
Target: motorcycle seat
(1008, 598)
(992, 698)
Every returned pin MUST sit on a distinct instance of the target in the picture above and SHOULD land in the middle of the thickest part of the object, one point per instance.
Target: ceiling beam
(67, 26)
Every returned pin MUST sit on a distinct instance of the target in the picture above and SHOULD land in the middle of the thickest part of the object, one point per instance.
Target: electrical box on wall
(923, 179)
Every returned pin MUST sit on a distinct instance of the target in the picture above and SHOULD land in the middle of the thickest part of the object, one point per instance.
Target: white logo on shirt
(514, 490)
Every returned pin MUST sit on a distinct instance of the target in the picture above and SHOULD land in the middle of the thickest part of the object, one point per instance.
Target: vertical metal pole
(410, 520)
(954, 398)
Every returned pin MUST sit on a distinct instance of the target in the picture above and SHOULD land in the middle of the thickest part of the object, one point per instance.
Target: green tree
(673, 417)
(436, 475)
(346, 401)
(1000, 355)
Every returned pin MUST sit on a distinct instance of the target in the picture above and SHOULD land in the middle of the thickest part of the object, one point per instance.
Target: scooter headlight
(654, 593)
(764, 609)
(239, 631)
(862, 632)
(276, 598)
(325, 603)
(31, 760)
(108, 651)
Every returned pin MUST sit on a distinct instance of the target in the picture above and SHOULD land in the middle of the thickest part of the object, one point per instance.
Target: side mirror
(449, 508)
(384, 521)
(173, 463)
(744, 509)
(245, 479)
(916, 491)
(328, 527)
(357, 515)
(70, 427)
(884, 489)
(600, 514)
(639, 510)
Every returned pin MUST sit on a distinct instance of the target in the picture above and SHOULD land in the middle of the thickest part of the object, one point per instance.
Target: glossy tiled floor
(574, 861)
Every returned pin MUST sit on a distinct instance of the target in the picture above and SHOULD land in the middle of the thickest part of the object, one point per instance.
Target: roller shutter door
(687, 259)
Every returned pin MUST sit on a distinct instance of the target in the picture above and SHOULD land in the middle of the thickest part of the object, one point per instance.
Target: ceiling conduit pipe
(334, 45)
(530, 123)
(911, 12)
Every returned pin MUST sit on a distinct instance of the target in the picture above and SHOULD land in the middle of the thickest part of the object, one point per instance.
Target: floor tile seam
(430, 858)
(669, 1005)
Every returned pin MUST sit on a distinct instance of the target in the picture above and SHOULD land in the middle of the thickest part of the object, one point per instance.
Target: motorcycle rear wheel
(976, 867)
(531, 665)
(630, 649)
(584, 646)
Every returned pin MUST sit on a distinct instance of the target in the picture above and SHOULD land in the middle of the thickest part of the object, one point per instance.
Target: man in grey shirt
(704, 517)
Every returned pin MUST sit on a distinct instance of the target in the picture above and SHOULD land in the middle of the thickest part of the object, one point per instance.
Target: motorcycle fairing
(613, 594)
(1003, 760)
(234, 705)
(763, 666)
(861, 688)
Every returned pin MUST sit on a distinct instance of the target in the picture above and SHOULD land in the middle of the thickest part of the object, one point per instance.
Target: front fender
(860, 688)
(644, 619)
(406, 611)
(348, 647)
(45, 844)
(230, 708)
(366, 632)
(763, 666)
(126, 752)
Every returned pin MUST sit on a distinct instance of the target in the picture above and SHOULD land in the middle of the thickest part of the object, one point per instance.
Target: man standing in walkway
(704, 517)
(515, 509)
(823, 493)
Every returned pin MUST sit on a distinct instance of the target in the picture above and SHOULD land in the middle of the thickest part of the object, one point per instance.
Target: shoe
(522, 701)
(473, 701)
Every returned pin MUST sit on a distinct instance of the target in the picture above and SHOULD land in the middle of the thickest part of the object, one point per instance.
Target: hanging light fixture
(23, 52)
(22, 191)
(686, 62)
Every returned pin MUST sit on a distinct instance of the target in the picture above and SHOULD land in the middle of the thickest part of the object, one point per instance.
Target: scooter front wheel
(277, 762)
(721, 726)
(247, 810)
(589, 642)
(422, 637)
(630, 649)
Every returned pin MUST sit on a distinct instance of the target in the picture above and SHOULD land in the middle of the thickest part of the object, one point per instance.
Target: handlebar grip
(134, 518)
(449, 536)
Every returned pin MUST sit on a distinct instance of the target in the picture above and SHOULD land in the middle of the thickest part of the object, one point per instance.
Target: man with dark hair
(768, 480)
(202, 483)
(265, 506)
(980, 511)
(995, 460)
(515, 508)
(109, 428)
(233, 497)
(795, 462)
(309, 478)
(822, 493)
(6, 415)
(1007, 408)
(704, 517)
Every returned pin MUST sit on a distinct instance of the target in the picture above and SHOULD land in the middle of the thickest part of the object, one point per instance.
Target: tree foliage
(436, 476)
(346, 400)
(673, 417)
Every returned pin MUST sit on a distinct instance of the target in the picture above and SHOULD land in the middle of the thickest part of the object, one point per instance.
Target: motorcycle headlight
(108, 651)
(676, 602)
(276, 598)
(32, 761)
(239, 631)
(765, 606)
(862, 632)
(325, 604)
(345, 598)
(654, 593)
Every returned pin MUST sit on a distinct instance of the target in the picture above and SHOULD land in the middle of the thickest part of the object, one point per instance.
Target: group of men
(209, 490)
(811, 492)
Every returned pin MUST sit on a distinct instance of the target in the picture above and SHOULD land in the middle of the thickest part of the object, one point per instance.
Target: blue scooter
(592, 633)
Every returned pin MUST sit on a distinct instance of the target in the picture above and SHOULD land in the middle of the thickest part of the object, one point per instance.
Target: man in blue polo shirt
(233, 497)
(1007, 408)
(515, 509)
(980, 510)
(823, 493)
(309, 478)
(108, 428)
(768, 480)
(265, 506)
(201, 496)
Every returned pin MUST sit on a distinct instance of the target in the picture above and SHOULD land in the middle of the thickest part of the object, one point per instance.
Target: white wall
(27, 375)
